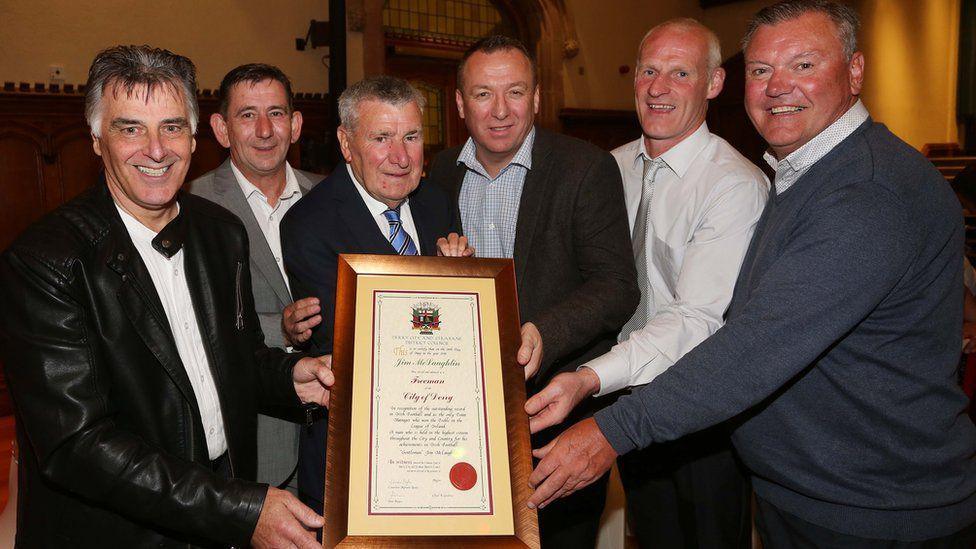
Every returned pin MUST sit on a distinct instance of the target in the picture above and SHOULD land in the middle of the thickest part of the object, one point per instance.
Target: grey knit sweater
(838, 361)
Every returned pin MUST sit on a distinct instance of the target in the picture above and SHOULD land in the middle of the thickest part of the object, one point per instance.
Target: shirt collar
(523, 157)
(680, 157)
(374, 206)
(824, 142)
(167, 242)
(248, 188)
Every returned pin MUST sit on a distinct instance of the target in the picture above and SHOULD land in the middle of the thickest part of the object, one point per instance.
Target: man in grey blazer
(257, 122)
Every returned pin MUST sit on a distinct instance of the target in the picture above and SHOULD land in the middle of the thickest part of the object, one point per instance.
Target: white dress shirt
(376, 208)
(269, 217)
(169, 279)
(703, 212)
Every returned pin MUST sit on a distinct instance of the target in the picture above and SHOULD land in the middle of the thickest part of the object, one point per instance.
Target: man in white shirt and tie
(692, 203)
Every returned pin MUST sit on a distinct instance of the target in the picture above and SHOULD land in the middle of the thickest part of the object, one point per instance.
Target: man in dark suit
(134, 357)
(257, 122)
(840, 352)
(373, 204)
(555, 204)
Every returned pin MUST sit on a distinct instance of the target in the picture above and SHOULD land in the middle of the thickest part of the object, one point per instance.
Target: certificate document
(429, 450)
(428, 420)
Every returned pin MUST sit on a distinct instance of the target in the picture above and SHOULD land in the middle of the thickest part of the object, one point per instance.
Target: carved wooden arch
(548, 27)
(545, 25)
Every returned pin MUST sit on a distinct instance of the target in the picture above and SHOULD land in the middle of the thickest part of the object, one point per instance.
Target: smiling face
(258, 128)
(798, 81)
(498, 104)
(385, 149)
(673, 85)
(145, 145)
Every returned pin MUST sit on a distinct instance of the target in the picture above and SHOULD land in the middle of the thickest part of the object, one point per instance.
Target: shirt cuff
(614, 375)
(611, 430)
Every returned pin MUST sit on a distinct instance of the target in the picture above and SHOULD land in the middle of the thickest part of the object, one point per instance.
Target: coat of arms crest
(426, 318)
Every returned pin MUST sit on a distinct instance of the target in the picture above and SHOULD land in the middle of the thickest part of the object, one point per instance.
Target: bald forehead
(685, 36)
(684, 46)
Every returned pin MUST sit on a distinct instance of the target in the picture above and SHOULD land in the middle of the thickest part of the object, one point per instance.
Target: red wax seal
(463, 476)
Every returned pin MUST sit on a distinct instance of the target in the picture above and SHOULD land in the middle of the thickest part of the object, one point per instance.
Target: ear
(459, 99)
(343, 134)
(219, 127)
(96, 145)
(716, 83)
(193, 145)
(856, 70)
(535, 100)
(296, 126)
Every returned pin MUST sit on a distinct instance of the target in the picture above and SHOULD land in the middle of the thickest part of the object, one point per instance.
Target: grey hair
(714, 60)
(844, 18)
(126, 67)
(385, 89)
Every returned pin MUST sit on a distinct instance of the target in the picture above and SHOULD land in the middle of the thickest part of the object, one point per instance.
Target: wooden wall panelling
(605, 128)
(77, 166)
(21, 182)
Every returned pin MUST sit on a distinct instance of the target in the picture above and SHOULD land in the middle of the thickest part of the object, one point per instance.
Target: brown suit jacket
(574, 262)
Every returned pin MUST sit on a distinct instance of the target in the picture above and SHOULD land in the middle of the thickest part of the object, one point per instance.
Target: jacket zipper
(240, 298)
(240, 327)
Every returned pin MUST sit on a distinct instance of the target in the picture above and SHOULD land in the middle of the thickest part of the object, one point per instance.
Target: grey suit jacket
(270, 291)
(277, 439)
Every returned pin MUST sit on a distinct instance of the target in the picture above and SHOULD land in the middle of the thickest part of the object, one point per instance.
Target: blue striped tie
(399, 238)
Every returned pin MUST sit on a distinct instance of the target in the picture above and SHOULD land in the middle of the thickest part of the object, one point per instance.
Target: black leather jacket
(113, 452)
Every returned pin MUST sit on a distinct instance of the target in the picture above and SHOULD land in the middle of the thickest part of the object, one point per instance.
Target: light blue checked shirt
(489, 207)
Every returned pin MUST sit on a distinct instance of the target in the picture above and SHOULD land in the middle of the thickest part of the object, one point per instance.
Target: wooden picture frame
(365, 284)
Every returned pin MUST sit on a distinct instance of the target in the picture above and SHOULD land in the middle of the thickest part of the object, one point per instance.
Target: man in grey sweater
(838, 359)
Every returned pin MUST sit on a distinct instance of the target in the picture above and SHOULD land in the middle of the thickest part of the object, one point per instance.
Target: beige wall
(729, 22)
(216, 34)
(911, 49)
(608, 33)
(911, 46)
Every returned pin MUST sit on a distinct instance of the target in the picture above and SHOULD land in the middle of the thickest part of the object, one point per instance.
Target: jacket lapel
(356, 217)
(225, 186)
(421, 220)
(140, 302)
(202, 281)
(304, 183)
(534, 193)
(456, 179)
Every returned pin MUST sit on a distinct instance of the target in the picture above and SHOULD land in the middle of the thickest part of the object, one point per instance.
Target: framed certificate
(428, 439)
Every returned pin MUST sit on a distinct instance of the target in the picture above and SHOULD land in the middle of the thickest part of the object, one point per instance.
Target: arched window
(446, 22)
(433, 115)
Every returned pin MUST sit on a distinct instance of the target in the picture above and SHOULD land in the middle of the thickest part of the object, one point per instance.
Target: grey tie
(641, 238)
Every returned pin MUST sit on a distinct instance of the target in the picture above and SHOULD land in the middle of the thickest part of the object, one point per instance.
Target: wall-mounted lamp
(317, 35)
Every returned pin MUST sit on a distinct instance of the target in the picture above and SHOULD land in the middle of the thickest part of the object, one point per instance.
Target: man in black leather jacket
(133, 353)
